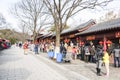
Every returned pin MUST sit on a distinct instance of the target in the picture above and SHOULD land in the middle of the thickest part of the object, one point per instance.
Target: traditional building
(109, 30)
(68, 34)
(89, 31)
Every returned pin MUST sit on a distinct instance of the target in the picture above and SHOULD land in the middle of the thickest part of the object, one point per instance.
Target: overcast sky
(84, 15)
(5, 5)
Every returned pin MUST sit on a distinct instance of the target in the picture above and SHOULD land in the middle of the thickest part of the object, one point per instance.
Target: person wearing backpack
(87, 53)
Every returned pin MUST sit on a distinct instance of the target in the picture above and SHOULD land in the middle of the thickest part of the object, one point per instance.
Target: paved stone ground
(14, 65)
(69, 74)
(89, 69)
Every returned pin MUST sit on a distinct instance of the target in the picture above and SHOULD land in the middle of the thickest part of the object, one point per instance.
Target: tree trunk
(34, 32)
(57, 45)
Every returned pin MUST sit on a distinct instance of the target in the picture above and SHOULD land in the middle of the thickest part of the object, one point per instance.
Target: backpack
(87, 51)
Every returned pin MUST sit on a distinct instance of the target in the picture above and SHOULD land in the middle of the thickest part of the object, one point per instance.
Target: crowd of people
(87, 52)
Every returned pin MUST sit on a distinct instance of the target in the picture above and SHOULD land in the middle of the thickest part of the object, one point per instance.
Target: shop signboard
(117, 34)
(71, 36)
(90, 37)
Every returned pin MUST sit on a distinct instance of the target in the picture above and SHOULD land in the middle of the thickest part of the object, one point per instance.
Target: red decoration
(100, 42)
(81, 43)
(108, 42)
(76, 38)
(66, 40)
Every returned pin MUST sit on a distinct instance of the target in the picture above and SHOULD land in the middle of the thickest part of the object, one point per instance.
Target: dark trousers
(79, 56)
(64, 55)
(116, 59)
(91, 58)
(99, 63)
(98, 67)
(87, 58)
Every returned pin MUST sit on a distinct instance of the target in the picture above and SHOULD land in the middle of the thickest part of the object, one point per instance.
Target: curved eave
(70, 30)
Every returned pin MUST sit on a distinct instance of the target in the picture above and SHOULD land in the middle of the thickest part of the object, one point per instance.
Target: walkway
(88, 69)
(14, 65)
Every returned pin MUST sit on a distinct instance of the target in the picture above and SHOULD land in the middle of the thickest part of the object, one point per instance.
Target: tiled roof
(69, 29)
(112, 24)
(78, 27)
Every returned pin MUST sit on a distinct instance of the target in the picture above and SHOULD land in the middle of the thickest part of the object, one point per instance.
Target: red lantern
(81, 43)
(109, 42)
(65, 40)
(100, 42)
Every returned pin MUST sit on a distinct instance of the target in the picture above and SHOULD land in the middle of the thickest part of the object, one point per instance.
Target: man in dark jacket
(99, 56)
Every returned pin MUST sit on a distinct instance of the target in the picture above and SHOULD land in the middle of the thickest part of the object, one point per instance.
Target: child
(25, 47)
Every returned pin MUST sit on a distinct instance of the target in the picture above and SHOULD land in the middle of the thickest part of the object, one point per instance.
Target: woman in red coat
(25, 47)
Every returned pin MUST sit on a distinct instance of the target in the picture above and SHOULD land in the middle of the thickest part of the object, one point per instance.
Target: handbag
(87, 53)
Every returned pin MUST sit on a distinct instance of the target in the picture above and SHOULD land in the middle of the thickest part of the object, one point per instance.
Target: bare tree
(62, 10)
(118, 14)
(108, 16)
(2, 21)
(30, 12)
(52, 28)
(24, 30)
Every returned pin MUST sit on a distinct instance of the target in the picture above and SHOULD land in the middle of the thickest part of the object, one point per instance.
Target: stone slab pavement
(88, 70)
(14, 65)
